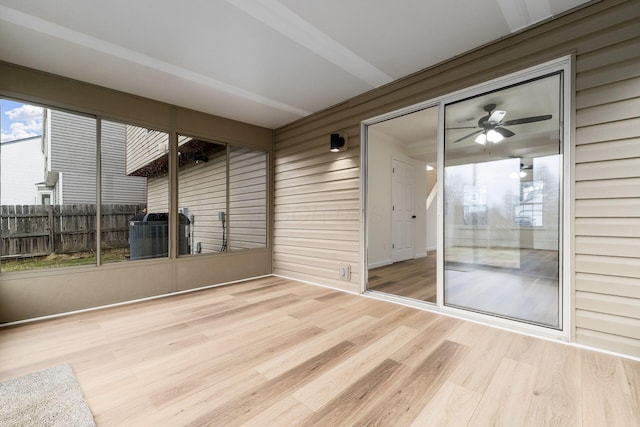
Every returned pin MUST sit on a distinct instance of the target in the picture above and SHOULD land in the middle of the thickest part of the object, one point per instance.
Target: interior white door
(403, 212)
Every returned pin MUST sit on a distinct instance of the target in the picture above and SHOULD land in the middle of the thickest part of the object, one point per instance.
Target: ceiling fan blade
(504, 132)
(497, 116)
(526, 120)
(468, 136)
(463, 127)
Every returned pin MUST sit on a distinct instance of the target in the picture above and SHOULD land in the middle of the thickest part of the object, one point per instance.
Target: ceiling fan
(490, 127)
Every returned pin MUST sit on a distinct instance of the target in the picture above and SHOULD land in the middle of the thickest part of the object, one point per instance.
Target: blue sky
(19, 120)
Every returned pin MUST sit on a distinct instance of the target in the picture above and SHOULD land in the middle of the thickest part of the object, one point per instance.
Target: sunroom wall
(33, 294)
(317, 193)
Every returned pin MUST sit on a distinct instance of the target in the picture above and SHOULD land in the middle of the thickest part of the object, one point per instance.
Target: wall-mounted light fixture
(338, 143)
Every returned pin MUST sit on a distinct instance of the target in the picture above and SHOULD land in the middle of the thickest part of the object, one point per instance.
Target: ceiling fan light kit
(490, 127)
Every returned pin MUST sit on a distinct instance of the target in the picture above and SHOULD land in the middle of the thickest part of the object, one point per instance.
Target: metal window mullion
(98, 191)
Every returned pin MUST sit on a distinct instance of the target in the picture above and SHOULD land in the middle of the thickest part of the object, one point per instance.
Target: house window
(475, 205)
(529, 211)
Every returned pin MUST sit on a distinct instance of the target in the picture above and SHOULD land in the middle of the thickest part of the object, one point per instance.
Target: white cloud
(24, 122)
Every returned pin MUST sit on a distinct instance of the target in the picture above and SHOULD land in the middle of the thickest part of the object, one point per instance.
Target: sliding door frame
(564, 65)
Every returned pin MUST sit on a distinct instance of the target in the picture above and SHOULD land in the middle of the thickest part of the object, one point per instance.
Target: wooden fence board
(36, 230)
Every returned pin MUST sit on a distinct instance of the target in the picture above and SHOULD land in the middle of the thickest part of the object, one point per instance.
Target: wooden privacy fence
(30, 230)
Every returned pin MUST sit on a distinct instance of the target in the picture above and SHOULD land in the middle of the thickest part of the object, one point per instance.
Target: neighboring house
(21, 168)
(69, 146)
(202, 187)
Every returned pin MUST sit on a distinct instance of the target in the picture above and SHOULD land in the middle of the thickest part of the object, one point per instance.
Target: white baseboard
(380, 263)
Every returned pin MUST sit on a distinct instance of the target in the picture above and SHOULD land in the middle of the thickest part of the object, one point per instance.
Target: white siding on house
(158, 194)
(72, 153)
(22, 167)
(143, 146)
(117, 187)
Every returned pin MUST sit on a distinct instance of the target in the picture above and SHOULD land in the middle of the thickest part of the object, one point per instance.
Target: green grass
(62, 260)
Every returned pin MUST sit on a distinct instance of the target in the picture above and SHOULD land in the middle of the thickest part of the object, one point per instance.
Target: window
(202, 196)
(134, 160)
(247, 198)
(48, 177)
(502, 180)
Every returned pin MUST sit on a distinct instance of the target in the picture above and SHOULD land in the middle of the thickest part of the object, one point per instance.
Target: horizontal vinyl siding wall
(247, 199)
(117, 187)
(317, 199)
(607, 192)
(73, 154)
(317, 209)
(202, 189)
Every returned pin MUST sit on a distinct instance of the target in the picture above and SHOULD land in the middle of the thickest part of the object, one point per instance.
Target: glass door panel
(402, 205)
(502, 202)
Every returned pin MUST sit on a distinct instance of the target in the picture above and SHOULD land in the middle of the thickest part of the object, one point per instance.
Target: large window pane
(247, 198)
(48, 193)
(202, 196)
(502, 183)
(147, 158)
(134, 226)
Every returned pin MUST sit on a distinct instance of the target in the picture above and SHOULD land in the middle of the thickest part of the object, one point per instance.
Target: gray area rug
(46, 398)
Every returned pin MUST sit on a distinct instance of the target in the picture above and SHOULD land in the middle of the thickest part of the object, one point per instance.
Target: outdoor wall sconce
(338, 143)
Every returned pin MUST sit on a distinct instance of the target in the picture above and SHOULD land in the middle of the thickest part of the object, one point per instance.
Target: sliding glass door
(465, 204)
(502, 202)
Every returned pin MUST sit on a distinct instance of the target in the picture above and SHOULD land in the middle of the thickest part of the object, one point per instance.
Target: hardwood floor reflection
(415, 278)
(520, 284)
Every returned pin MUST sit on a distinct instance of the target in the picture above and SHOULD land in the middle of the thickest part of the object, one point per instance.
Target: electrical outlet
(344, 271)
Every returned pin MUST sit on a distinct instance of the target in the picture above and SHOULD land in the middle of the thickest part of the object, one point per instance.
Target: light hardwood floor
(275, 352)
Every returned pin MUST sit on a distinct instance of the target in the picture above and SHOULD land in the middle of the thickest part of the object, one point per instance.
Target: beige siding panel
(610, 188)
(611, 169)
(608, 285)
(611, 342)
(608, 74)
(612, 112)
(614, 227)
(611, 54)
(247, 199)
(608, 208)
(613, 150)
(311, 235)
(607, 265)
(318, 222)
(333, 196)
(625, 89)
(158, 194)
(295, 244)
(628, 327)
(318, 179)
(608, 246)
(318, 207)
(346, 254)
(609, 304)
(625, 129)
(328, 189)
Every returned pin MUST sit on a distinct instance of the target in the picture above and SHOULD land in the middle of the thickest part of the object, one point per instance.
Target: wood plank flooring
(275, 352)
(414, 278)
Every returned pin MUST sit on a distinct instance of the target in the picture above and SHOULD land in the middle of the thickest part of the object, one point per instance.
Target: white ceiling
(265, 62)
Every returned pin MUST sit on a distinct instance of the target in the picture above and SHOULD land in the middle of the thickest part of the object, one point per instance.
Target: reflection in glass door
(401, 205)
(502, 202)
